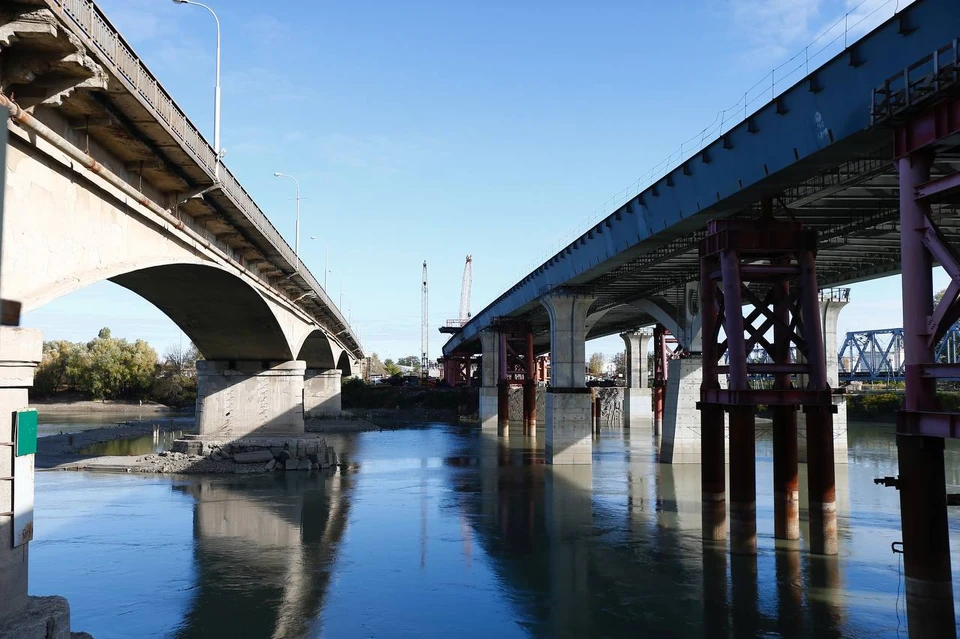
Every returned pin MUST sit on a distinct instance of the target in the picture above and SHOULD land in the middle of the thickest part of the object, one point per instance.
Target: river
(443, 532)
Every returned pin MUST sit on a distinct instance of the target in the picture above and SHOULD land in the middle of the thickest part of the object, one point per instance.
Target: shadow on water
(131, 446)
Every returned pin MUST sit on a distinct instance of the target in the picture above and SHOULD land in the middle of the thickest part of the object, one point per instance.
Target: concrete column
(489, 377)
(681, 420)
(321, 393)
(568, 439)
(20, 353)
(637, 403)
(241, 399)
(829, 313)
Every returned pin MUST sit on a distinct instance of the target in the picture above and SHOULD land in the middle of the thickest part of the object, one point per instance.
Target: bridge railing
(93, 23)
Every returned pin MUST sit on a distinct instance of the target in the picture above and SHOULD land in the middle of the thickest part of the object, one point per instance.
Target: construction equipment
(424, 320)
(465, 291)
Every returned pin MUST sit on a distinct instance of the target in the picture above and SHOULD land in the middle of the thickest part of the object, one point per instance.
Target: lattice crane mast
(424, 320)
(465, 290)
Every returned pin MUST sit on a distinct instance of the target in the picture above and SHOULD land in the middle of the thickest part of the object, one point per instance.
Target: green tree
(110, 368)
(391, 368)
(410, 360)
(52, 373)
(595, 364)
(620, 363)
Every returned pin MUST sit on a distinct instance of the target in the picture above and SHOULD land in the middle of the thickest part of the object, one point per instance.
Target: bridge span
(107, 179)
(850, 174)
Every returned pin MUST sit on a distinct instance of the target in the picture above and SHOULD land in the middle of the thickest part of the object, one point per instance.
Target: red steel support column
(922, 483)
(786, 487)
(713, 481)
(743, 462)
(503, 390)
(820, 465)
(530, 389)
(659, 375)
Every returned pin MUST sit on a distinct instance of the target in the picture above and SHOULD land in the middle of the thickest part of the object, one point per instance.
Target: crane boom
(424, 321)
(465, 290)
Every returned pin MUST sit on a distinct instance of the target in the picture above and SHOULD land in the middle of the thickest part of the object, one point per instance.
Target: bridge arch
(317, 352)
(344, 364)
(224, 317)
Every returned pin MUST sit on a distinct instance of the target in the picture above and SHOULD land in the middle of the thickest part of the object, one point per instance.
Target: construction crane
(465, 290)
(424, 320)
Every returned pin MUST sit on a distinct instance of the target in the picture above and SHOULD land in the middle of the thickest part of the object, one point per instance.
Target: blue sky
(433, 129)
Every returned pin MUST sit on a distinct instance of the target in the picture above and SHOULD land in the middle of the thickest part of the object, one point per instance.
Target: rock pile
(249, 455)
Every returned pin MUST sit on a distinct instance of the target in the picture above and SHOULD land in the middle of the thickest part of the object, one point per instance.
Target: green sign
(26, 432)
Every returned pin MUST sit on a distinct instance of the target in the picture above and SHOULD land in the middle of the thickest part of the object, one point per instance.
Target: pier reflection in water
(444, 530)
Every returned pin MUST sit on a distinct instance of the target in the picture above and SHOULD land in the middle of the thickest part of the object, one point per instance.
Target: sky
(429, 130)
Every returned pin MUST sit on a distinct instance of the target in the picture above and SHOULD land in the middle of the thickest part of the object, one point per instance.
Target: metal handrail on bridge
(108, 41)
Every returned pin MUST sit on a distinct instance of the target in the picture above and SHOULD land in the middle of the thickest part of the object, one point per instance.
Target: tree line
(107, 367)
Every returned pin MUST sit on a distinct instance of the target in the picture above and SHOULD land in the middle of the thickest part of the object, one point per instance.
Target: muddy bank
(57, 450)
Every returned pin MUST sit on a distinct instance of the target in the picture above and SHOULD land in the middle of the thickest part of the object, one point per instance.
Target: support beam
(568, 439)
(637, 405)
(242, 399)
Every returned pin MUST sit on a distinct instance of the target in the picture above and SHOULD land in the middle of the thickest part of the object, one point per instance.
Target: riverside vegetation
(108, 367)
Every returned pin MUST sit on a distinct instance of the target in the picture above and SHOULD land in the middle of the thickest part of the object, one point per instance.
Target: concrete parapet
(568, 432)
(237, 399)
(321, 392)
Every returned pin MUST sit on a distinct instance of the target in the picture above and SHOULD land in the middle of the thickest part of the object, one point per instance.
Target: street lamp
(216, 94)
(326, 261)
(296, 245)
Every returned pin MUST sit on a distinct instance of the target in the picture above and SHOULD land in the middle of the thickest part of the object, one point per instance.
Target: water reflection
(444, 529)
(264, 554)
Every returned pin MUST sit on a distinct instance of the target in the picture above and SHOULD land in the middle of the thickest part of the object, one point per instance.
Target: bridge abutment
(568, 431)
(321, 392)
(244, 398)
(637, 398)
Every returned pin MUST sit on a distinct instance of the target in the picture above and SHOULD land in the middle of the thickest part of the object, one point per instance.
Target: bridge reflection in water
(442, 530)
(599, 551)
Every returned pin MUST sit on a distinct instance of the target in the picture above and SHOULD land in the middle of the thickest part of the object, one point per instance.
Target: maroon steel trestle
(517, 368)
(770, 266)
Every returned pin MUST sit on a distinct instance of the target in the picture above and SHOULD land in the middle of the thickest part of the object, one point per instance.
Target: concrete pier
(681, 420)
(637, 398)
(237, 399)
(830, 307)
(489, 376)
(321, 393)
(568, 432)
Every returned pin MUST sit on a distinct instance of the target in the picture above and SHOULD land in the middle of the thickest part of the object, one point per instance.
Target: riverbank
(59, 405)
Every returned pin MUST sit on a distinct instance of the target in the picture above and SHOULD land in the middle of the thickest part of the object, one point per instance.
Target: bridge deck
(813, 149)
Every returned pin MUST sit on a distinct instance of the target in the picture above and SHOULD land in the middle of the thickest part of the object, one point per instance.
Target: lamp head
(181, 2)
(277, 174)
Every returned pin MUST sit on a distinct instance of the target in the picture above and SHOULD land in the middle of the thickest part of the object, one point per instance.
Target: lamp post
(296, 245)
(216, 92)
(326, 261)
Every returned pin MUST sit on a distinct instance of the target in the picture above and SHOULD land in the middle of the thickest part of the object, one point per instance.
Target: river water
(443, 532)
